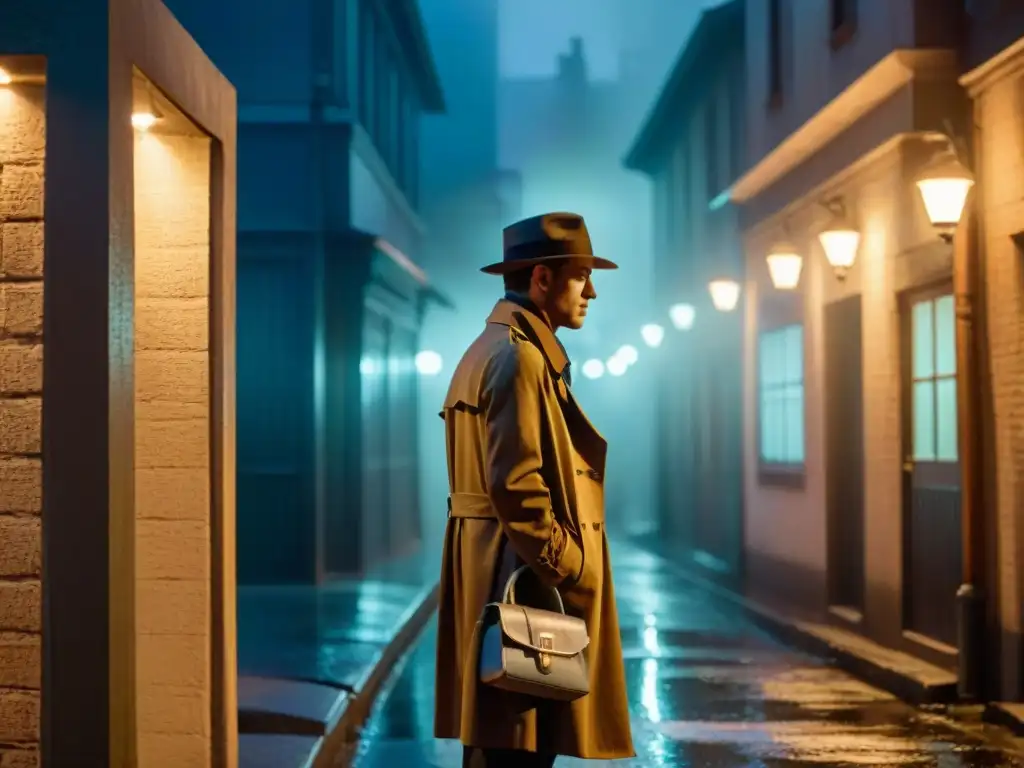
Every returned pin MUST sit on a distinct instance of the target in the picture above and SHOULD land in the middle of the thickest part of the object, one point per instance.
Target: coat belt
(473, 506)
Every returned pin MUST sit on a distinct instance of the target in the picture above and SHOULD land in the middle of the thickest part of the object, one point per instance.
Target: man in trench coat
(525, 470)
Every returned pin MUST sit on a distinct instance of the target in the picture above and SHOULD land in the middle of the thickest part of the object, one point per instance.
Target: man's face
(566, 292)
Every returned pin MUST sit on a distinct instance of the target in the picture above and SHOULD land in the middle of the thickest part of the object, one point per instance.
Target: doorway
(931, 469)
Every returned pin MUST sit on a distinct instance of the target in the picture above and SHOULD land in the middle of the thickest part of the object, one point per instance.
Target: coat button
(594, 474)
(579, 471)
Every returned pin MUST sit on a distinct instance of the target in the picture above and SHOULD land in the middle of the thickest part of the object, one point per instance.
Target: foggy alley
(709, 689)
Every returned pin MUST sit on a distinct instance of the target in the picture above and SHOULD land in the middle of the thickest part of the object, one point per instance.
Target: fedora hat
(544, 238)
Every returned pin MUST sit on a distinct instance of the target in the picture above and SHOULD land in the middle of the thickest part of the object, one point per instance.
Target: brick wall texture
(172, 450)
(22, 143)
(999, 110)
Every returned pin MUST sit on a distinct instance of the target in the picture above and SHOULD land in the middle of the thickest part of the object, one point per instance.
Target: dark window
(774, 49)
(843, 14)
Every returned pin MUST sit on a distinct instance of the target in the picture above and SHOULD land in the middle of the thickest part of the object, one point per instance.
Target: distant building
(329, 297)
(691, 147)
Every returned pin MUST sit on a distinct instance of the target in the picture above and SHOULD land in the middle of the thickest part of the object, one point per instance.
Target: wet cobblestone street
(709, 689)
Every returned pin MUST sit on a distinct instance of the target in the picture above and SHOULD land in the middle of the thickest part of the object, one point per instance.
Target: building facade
(691, 147)
(993, 61)
(860, 508)
(330, 297)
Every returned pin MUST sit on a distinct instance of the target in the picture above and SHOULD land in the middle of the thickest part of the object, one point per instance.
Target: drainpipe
(970, 598)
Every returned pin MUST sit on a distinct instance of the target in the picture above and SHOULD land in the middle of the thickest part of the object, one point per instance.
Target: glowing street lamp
(627, 353)
(944, 184)
(593, 369)
(724, 294)
(428, 363)
(682, 316)
(616, 366)
(653, 335)
(784, 266)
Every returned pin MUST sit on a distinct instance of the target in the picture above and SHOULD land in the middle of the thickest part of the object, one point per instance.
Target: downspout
(967, 288)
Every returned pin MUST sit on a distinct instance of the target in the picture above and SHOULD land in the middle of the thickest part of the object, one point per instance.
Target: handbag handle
(509, 596)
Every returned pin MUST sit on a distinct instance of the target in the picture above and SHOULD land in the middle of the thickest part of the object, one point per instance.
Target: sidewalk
(905, 676)
(311, 660)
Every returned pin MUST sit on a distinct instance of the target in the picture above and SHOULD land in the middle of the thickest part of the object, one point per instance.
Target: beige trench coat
(526, 464)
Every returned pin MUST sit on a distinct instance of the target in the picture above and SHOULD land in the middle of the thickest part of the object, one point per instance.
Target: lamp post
(944, 184)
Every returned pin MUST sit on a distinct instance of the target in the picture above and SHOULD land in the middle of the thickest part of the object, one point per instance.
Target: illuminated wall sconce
(653, 334)
(682, 316)
(840, 240)
(784, 266)
(5, 77)
(944, 184)
(724, 294)
(146, 116)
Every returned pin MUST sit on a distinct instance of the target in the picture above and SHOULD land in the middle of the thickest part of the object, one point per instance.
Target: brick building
(691, 146)
(117, 638)
(330, 292)
(856, 463)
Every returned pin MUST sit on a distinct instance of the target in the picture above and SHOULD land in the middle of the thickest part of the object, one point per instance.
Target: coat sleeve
(515, 387)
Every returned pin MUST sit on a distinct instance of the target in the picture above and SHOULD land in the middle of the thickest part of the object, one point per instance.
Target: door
(844, 453)
(931, 470)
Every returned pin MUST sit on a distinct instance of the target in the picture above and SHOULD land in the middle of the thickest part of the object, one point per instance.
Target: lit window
(781, 393)
(934, 374)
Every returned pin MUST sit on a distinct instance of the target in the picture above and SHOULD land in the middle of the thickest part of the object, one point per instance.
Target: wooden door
(931, 470)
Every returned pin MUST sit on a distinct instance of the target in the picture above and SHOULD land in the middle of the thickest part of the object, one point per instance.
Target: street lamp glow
(143, 121)
(616, 366)
(840, 245)
(724, 294)
(5, 77)
(428, 363)
(784, 266)
(627, 353)
(682, 316)
(944, 184)
(593, 369)
(653, 334)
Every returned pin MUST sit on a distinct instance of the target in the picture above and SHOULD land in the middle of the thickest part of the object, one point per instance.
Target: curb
(368, 686)
(803, 636)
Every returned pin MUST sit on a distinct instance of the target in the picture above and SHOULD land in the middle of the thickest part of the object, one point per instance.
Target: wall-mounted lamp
(147, 115)
(724, 294)
(682, 316)
(944, 184)
(5, 77)
(784, 266)
(840, 239)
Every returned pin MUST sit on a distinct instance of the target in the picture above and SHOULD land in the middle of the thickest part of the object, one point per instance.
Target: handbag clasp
(547, 641)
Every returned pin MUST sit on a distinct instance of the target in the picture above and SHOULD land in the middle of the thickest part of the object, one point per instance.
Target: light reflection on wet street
(709, 689)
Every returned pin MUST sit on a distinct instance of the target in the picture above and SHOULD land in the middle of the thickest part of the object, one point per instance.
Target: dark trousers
(474, 757)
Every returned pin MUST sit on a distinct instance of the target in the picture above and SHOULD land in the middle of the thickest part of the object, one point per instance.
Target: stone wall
(22, 144)
(172, 454)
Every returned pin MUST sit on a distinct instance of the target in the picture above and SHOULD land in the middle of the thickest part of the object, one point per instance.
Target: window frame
(776, 315)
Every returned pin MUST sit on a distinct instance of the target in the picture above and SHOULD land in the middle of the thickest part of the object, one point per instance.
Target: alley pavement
(709, 689)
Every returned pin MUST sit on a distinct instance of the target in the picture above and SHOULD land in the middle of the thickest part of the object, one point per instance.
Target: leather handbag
(533, 651)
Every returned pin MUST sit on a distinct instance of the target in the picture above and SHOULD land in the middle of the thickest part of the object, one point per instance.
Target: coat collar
(511, 314)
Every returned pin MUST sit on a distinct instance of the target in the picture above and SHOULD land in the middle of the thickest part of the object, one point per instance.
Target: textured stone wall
(22, 144)
(172, 453)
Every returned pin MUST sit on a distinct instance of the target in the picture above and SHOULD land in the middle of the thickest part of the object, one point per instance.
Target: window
(843, 21)
(933, 343)
(781, 393)
(843, 14)
(774, 51)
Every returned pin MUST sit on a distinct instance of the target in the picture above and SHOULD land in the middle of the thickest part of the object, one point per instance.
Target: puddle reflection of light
(649, 691)
(651, 635)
